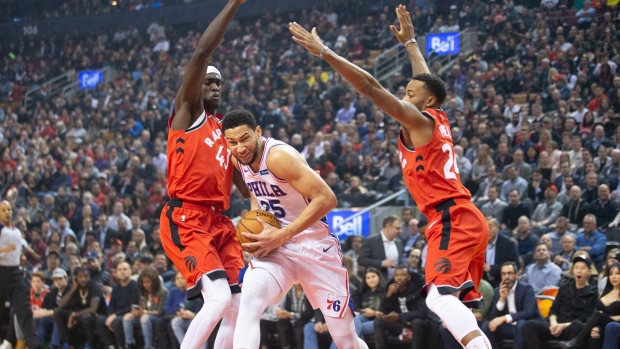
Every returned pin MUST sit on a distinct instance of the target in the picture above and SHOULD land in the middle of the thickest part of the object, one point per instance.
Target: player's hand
(311, 42)
(406, 31)
(265, 242)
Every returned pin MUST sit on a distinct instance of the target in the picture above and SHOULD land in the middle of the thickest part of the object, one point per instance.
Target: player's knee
(216, 294)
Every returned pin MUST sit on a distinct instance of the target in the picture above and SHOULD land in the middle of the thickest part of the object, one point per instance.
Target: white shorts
(317, 266)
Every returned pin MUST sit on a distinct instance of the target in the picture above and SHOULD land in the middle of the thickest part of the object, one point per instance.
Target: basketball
(248, 223)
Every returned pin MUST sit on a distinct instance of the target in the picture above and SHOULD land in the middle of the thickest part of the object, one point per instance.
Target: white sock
(217, 300)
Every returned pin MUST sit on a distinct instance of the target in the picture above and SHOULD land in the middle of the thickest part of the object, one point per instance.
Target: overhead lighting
(114, 3)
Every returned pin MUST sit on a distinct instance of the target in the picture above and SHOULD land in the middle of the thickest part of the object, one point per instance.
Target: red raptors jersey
(199, 166)
(431, 172)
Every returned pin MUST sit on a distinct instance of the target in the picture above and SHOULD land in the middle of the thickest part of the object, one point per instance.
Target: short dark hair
(514, 265)
(423, 222)
(239, 117)
(434, 85)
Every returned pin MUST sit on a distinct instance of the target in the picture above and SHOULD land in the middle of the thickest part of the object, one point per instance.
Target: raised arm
(188, 104)
(404, 36)
(404, 112)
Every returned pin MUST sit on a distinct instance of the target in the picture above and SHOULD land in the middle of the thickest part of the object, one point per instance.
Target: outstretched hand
(406, 31)
(265, 242)
(310, 41)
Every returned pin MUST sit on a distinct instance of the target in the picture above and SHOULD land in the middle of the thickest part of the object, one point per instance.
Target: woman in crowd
(150, 310)
(612, 258)
(369, 300)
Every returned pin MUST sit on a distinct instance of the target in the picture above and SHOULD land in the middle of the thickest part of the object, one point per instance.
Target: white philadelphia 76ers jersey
(278, 196)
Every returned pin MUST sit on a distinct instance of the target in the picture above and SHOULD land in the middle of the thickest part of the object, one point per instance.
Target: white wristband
(412, 40)
(325, 48)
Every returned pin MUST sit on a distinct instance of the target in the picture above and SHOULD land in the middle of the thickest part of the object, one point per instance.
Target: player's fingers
(394, 30)
(249, 236)
(262, 222)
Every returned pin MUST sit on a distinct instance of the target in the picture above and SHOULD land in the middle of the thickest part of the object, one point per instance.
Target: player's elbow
(330, 200)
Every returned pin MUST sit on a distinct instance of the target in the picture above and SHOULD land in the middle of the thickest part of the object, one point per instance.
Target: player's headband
(213, 70)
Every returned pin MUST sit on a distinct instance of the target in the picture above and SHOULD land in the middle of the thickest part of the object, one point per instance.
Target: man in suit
(513, 304)
(383, 251)
(500, 249)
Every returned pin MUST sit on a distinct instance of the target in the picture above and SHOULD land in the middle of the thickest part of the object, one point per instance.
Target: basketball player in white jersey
(303, 250)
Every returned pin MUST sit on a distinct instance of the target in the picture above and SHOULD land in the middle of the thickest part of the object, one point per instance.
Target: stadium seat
(544, 304)
(550, 291)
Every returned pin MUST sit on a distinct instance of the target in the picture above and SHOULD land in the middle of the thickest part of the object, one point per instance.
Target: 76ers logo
(332, 304)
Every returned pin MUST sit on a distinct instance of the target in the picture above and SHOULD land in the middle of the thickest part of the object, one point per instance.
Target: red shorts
(457, 235)
(200, 240)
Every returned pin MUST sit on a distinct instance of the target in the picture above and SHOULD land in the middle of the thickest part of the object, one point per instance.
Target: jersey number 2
(224, 160)
(450, 169)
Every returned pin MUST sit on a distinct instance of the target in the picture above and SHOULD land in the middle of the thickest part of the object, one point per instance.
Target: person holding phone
(148, 312)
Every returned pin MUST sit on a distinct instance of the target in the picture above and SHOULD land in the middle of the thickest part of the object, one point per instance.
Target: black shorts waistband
(215, 207)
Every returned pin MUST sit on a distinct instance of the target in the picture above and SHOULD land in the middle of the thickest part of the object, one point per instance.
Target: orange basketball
(250, 224)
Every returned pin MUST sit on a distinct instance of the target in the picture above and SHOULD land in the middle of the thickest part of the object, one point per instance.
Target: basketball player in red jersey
(457, 232)
(198, 239)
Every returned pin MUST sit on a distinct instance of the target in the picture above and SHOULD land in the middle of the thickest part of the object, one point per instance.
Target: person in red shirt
(195, 235)
(595, 102)
(38, 291)
(457, 233)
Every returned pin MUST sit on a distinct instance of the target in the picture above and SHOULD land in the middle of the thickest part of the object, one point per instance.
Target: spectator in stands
(560, 177)
(575, 152)
(576, 209)
(494, 207)
(500, 249)
(590, 188)
(513, 182)
(522, 169)
(44, 315)
(77, 312)
(491, 179)
(526, 238)
(117, 215)
(561, 229)
(368, 301)
(514, 303)
(604, 208)
(611, 259)
(542, 273)
(502, 157)
(183, 311)
(513, 211)
(548, 211)
(573, 304)
(402, 307)
(97, 274)
(384, 250)
(125, 293)
(536, 187)
(591, 240)
(412, 236)
(149, 311)
(563, 258)
(356, 245)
